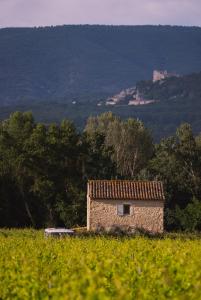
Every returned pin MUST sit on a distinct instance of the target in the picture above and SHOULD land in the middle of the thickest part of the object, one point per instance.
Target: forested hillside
(89, 62)
(183, 88)
(178, 101)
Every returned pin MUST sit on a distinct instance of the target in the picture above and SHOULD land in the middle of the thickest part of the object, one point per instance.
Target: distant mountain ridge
(89, 63)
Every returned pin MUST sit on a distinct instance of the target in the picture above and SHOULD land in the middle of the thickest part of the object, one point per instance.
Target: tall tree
(131, 142)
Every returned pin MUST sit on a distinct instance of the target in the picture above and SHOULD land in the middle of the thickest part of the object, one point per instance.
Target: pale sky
(28, 13)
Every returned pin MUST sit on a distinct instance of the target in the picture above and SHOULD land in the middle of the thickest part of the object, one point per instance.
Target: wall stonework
(144, 214)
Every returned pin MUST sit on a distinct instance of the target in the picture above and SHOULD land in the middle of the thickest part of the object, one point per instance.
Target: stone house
(125, 204)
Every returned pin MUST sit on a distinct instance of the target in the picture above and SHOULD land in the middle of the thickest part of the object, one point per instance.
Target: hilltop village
(132, 96)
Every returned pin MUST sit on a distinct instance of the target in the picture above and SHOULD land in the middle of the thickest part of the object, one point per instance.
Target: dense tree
(188, 218)
(177, 162)
(40, 161)
(44, 168)
(131, 142)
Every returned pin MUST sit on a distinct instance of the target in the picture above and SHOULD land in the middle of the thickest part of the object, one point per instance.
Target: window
(126, 209)
(123, 209)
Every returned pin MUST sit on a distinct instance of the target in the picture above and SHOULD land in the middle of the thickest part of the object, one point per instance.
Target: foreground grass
(32, 267)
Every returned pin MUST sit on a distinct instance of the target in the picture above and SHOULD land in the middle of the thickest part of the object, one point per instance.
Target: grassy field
(32, 267)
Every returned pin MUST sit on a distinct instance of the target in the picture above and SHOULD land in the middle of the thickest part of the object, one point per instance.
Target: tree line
(44, 169)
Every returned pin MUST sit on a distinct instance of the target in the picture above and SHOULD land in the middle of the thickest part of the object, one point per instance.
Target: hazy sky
(56, 12)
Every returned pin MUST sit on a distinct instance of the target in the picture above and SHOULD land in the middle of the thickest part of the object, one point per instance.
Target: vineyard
(32, 267)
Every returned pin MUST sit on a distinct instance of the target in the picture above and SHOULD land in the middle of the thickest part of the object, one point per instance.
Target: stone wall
(159, 75)
(144, 214)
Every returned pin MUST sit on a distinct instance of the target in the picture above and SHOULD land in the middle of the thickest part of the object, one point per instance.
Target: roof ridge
(124, 180)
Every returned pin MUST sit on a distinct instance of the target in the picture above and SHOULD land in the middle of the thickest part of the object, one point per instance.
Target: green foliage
(32, 267)
(189, 218)
(177, 162)
(40, 163)
(44, 169)
(130, 141)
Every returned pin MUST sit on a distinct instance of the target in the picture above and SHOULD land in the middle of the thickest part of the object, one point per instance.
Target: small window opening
(126, 209)
(123, 209)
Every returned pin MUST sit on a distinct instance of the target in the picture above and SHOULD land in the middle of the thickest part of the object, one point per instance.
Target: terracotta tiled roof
(126, 189)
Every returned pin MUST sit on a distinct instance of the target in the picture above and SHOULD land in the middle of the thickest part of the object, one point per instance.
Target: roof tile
(126, 189)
